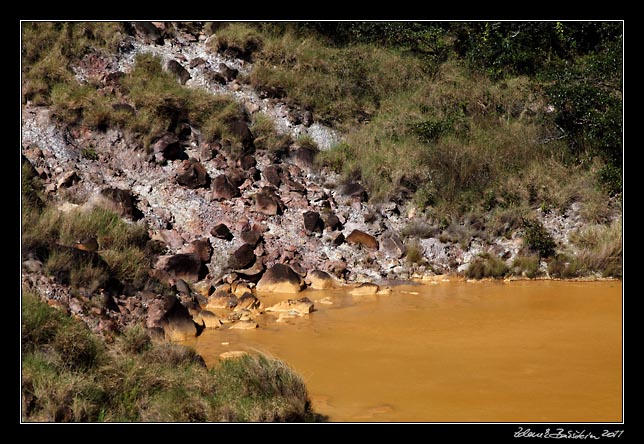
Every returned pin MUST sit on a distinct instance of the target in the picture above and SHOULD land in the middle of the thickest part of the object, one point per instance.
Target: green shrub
(527, 266)
(486, 265)
(537, 238)
(562, 266)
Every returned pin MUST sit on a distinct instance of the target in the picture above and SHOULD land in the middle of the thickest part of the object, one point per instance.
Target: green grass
(125, 249)
(134, 379)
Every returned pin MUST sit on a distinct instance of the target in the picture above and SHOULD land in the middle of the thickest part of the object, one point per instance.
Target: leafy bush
(537, 238)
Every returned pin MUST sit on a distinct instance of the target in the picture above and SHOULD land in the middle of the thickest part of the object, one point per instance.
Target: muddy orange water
(524, 351)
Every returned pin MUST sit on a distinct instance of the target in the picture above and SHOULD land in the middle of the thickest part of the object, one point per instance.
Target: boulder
(251, 235)
(191, 174)
(123, 202)
(338, 240)
(179, 71)
(243, 257)
(392, 246)
(221, 300)
(280, 278)
(313, 222)
(365, 289)
(292, 306)
(354, 191)
(158, 307)
(223, 188)
(332, 221)
(178, 324)
(167, 147)
(199, 247)
(248, 301)
(239, 129)
(319, 280)
(247, 162)
(268, 203)
(228, 72)
(252, 273)
(215, 77)
(272, 175)
(221, 231)
(361, 238)
(145, 31)
(183, 266)
(208, 319)
(67, 179)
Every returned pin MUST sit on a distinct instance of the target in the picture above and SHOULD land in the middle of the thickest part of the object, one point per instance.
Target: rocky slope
(237, 217)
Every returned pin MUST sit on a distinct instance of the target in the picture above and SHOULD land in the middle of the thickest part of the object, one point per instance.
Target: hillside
(167, 168)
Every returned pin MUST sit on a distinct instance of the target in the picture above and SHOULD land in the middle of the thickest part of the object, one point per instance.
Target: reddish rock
(338, 240)
(268, 203)
(332, 221)
(192, 174)
(272, 175)
(247, 162)
(67, 179)
(228, 73)
(361, 238)
(312, 222)
(167, 147)
(183, 266)
(251, 235)
(199, 247)
(221, 231)
(243, 257)
(223, 188)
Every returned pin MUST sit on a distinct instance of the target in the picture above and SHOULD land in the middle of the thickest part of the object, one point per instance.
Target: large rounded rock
(320, 280)
(272, 175)
(280, 279)
(361, 238)
(354, 191)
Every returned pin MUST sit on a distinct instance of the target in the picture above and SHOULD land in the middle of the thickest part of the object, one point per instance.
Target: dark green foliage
(610, 178)
(537, 238)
